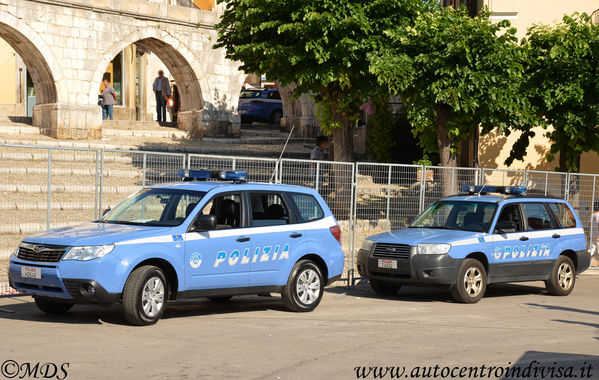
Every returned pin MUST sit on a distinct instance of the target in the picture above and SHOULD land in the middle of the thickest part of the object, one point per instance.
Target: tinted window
(511, 213)
(308, 207)
(563, 215)
(249, 94)
(274, 95)
(227, 209)
(537, 217)
(268, 210)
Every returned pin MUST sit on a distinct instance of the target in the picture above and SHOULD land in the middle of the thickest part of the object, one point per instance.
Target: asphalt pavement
(351, 333)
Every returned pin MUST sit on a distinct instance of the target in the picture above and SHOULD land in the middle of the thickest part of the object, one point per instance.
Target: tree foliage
(455, 73)
(320, 45)
(563, 81)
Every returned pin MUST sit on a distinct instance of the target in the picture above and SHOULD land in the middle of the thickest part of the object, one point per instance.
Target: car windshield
(250, 94)
(154, 207)
(457, 215)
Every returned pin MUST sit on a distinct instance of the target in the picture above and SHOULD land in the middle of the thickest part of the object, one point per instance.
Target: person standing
(108, 100)
(162, 90)
(317, 154)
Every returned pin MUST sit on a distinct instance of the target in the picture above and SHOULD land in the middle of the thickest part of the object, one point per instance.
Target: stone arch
(179, 60)
(36, 55)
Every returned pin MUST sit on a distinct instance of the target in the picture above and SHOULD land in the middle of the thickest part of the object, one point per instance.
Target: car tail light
(336, 231)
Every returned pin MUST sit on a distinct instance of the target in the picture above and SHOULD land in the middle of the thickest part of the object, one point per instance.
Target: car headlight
(433, 249)
(88, 253)
(367, 245)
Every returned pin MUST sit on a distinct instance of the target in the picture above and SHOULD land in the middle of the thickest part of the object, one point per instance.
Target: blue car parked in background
(471, 240)
(187, 239)
(262, 105)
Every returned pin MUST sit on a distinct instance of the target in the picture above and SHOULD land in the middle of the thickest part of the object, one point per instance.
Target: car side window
(274, 95)
(510, 216)
(308, 207)
(227, 209)
(268, 209)
(537, 217)
(563, 215)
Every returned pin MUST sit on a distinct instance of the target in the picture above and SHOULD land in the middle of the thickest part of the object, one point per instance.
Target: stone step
(58, 206)
(80, 172)
(18, 129)
(41, 189)
(175, 133)
(30, 228)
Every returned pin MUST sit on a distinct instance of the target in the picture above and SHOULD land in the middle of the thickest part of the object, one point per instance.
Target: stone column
(300, 112)
(210, 123)
(68, 121)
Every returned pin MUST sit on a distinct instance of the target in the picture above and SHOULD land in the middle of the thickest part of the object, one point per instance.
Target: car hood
(414, 236)
(93, 234)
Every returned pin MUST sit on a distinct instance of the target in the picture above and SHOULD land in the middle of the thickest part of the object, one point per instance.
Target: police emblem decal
(177, 237)
(481, 239)
(195, 260)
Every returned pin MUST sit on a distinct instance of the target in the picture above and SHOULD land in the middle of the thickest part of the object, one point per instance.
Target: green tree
(456, 74)
(563, 79)
(320, 45)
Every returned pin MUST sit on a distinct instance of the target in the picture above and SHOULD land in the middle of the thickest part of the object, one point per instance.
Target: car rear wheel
(52, 307)
(304, 288)
(145, 296)
(563, 277)
(471, 283)
(276, 117)
(384, 288)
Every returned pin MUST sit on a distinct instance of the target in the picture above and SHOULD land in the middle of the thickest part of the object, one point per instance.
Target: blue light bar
(512, 190)
(234, 175)
(189, 175)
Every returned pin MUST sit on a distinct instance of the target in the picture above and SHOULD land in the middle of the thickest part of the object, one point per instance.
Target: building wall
(495, 148)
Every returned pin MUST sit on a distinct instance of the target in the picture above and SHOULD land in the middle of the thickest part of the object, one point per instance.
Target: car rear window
(563, 215)
(250, 94)
(308, 207)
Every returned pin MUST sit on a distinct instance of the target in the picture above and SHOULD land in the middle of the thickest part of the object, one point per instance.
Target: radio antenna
(272, 177)
(481, 189)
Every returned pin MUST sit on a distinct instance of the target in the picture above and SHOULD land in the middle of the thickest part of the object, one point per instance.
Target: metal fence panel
(546, 183)
(258, 169)
(441, 182)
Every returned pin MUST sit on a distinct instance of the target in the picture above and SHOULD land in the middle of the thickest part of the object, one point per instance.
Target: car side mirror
(506, 226)
(204, 223)
(408, 221)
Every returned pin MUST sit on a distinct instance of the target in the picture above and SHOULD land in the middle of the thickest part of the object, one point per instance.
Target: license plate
(388, 264)
(29, 272)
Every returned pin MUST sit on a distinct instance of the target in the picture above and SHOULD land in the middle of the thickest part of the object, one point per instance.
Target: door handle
(295, 235)
(243, 239)
(523, 238)
(556, 236)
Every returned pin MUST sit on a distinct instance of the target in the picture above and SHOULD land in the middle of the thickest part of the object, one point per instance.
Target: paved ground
(254, 337)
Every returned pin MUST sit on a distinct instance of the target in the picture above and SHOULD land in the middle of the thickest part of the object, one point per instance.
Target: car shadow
(437, 294)
(23, 308)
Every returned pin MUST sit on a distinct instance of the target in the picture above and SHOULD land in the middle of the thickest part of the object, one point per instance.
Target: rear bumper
(583, 261)
(417, 270)
(53, 285)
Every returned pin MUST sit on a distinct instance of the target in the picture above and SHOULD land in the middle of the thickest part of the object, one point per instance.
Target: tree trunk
(446, 157)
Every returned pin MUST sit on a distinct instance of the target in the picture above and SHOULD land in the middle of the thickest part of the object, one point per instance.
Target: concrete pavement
(255, 337)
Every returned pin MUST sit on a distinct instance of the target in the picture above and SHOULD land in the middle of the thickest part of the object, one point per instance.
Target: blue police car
(262, 105)
(187, 239)
(471, 240)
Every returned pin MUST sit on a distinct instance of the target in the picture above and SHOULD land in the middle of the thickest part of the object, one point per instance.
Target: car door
(509, 244)
(219, 259)
(275, 237)
(544, 233)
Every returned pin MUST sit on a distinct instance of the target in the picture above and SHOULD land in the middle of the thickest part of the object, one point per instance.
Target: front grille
(43, 253)
(392, 251)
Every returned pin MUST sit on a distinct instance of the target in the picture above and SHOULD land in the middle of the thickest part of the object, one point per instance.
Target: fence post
(184, 160)
(234, 164)
(352, 235)
(101, 178)
(388, 198)
(143, 169)
(592, 212)
(546, 181)
(49, 194)
(422, 187)
(317, 182)
(96, 207)
(567, 187)
(452, 180)
(525, 178)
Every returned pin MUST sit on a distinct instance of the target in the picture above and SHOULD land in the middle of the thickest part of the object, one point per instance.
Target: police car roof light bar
(237, 176)
(511, 190)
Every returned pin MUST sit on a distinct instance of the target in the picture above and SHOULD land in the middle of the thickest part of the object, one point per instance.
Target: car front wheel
(471, 283)
(145, 295)
(304, 288)
(562, 278)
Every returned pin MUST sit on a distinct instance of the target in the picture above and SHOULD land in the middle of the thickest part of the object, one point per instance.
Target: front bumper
(61, 281)
(417, 270)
